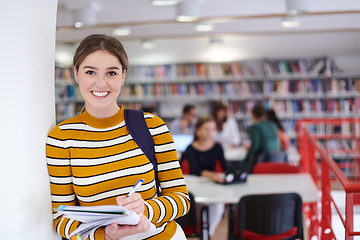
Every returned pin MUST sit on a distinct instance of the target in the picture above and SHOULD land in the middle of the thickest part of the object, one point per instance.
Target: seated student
(263, 137)
(202, 155)
(283, 138)
(186, 123)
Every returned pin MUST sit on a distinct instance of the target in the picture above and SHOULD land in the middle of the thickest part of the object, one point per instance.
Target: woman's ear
(75, 74)
(123, 76)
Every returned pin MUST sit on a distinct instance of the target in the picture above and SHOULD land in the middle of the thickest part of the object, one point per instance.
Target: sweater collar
(103, 122)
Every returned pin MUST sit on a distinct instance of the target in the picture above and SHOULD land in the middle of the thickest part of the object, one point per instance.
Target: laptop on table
(236, 174)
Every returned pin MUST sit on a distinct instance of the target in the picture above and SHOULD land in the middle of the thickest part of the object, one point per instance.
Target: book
(93, 217)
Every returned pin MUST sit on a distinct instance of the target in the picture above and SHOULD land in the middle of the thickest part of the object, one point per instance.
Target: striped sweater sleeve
(61, 184)
(174, 200)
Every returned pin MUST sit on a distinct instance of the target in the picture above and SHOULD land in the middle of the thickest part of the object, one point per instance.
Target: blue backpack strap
(135, 123)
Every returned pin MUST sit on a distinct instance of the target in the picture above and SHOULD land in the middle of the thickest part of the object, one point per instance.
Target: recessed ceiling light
(148, 45)
(79, 24)
(290, 22)
(122, 31)
(204, 27)
(164, 2)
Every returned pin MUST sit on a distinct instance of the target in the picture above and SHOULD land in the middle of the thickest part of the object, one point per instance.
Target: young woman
(227, 129)
(93, 160)
(263, 136)
(203, 155)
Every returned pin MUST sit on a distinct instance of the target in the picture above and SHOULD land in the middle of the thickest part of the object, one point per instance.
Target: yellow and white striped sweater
(96, 160)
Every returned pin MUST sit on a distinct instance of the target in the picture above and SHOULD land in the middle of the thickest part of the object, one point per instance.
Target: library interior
(299, 58)
(243, 54)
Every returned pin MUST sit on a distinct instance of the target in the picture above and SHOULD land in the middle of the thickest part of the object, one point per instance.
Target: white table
(206, 191)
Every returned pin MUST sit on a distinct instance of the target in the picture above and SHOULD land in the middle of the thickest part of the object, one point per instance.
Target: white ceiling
(229, 17)
(250, 25)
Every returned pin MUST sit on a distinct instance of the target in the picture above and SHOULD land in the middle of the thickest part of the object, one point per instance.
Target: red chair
(274, 167)
(185, 166)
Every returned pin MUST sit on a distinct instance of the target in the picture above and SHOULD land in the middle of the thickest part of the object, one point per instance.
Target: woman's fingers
(115, 231)
(134, 202)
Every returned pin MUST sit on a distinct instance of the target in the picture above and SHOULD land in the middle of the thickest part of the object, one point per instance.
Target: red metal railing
(316, 160)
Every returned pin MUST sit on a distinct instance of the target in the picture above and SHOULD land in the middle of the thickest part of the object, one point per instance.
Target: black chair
(190, 222)
(269, 217)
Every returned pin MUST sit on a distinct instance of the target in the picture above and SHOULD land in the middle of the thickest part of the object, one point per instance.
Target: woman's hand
(135, 202)
(218, 177)
(115, 231)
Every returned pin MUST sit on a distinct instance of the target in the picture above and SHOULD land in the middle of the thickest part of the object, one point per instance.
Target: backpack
(135, 123)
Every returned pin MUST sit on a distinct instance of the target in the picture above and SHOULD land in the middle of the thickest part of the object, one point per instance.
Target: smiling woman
(93, 159)
(100, 77)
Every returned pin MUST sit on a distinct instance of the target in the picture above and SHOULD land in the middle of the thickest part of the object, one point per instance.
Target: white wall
(27, 99)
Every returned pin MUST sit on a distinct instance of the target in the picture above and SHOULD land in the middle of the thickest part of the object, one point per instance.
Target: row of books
(65, 93)
(324, 128)
(65, 111)
(338, 145)
(242, 89)
(63, 75)
(301, 108)
(310, 86)
(297, 67)
(192, 71)
(229, 70)
(318, 107)
(229, 89)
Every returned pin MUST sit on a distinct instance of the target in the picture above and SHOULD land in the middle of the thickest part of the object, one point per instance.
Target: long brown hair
(219, 106)
(102, 42)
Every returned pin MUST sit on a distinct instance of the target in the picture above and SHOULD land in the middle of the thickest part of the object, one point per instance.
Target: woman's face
(207, 130)
(221, 115)
(100, 79)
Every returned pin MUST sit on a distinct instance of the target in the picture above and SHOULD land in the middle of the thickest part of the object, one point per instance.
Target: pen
(135, 187)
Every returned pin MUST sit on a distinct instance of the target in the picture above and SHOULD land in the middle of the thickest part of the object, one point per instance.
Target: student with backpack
(97, 156)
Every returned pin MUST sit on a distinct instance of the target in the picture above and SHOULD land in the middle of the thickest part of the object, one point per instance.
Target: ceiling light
(79, 24)
(294, 7)
(204, 27)
(164, 2)
(84, 12)
(290, 22)
(187, 11)
(122, 31)
(83, 17)
(148, 45)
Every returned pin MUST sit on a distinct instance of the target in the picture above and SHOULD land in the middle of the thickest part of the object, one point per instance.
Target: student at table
(263, 136)
(203, 154)
(227, 129)
(186, 123)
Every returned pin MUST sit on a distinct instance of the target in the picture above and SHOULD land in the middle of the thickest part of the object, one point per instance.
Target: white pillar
(27, 56)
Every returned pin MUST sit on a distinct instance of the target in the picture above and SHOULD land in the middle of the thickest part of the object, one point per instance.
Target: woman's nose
(100, 80)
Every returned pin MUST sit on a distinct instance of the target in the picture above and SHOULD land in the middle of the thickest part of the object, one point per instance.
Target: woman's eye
(90, 72)
(112, 73)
